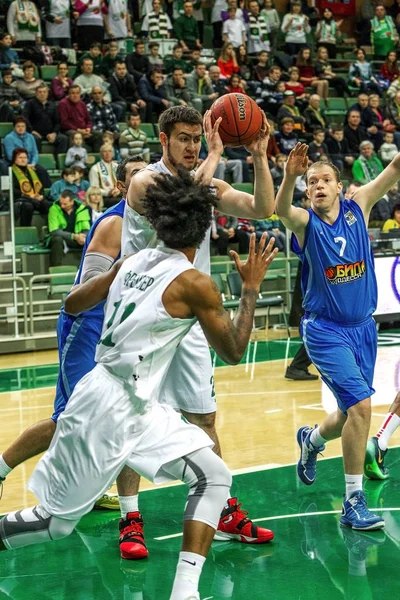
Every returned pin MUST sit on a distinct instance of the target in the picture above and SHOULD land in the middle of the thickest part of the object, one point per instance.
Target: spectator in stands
(177, 92)
(77, 155)
(217, 84)
(313, 115)
(307, 73)
(10, 101)
(272, 18)
(176, 61)
(318, 150)
(102, 113)
(393, 109)
(88, 80)
(384, 36)
(69, 223)
(388, 150)
(233, 29)
(229, 166)
(82, 185)
(286, 138)
(323, 70)
(20, 138)
(361, 76)
(153, 91)
(200, 88)
(235, 85)
(90, 23)
(260, 70)
(243, 63)
(95, 54)
(74, 116)
(338, 148)
(278, 171)
(9, 58)
(383, 209)
(390, 70)
(61, 83)
(118, 22)
(272, 148)
(155, 59)
(57, 16)
(94, 202)
(23, 23)
(224, 231)
(28, 189)
(245, 158)
(137, 62)
(187, 29)
(274, 228)
(354, 132)
(296, 86)
(394, 222)
(43, 119)
(102, 175)
(257, 30)
(26, 87)
(367, 166)
(289, 109)
(266, 95)
(227, 61)
(67, 182)
(108, 138)
(124, 93)
(194, 59)
(110, 59)
(157, 24)
(362, 107)
(327, 32)
(133, 141)
(295, 26)
(377, 123)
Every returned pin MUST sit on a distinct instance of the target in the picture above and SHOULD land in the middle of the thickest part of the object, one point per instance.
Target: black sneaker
(299, 374)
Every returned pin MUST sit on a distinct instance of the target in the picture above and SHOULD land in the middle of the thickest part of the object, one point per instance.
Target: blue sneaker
(355, 514)
(307, 465)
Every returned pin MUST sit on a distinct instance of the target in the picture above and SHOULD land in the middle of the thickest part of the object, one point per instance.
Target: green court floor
(311, 556)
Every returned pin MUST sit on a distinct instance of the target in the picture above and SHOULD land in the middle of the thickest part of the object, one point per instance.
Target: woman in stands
(327, 32)
(26, 87)
(61, 83)
(227, 61)
(28, 189)
(94, 202)
(390, 70)
(308, 76)
(361, 76)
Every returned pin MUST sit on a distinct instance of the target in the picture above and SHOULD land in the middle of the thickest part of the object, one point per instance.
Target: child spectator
(286, 138)
(9, 58)
(271, 15)
(234, 30)
(235, 85)
(388, 150)
(67, 182)
(394, 222)
(338, 148)
(280, 90)
(108, 138)
(133, 141)
(260, 70)
(295, 85)
(278, 171)
(77, 154)
(95, 54)
(176, 61)
(272, 226)
(361, 76)
(317, 149)
(82, 185)
(154, 57)
(272, 148)
(10, 101)
(94, 201)
(327, 32)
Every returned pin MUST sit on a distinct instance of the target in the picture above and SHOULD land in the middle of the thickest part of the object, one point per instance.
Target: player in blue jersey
(78, 338)
(340, 296)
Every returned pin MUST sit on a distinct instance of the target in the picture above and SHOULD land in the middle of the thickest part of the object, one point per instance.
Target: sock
(128, 504)
(187, 575)
(353, 483)
(4, 468)
(316, 438)
(389, 426)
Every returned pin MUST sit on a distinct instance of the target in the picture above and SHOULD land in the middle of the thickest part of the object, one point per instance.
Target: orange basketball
(241, 119)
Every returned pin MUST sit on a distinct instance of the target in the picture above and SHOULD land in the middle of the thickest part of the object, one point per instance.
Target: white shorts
(189, 383)
(101, 431)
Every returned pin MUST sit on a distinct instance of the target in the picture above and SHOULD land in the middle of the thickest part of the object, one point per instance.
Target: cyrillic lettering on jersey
(140, 282)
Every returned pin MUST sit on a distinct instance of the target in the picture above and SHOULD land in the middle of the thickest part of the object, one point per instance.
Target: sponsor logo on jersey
(345, 273)
(140, 282)
(350, 218)
(241, 102)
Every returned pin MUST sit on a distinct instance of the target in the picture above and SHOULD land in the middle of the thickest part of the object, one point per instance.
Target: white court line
(265, 393)
(274, 410)
(26, 408)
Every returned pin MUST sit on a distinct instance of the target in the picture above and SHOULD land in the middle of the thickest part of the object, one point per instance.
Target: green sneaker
(374, 467)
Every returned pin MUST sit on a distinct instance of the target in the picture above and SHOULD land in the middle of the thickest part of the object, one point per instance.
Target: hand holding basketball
(260, 144)
(211, 134)
(298, 161)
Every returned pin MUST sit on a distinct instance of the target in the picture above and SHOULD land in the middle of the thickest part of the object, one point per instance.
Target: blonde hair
(91, 192)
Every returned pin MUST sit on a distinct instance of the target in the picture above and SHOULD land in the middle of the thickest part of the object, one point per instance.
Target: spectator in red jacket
(390, 69)
(227, 61)
(74, 116)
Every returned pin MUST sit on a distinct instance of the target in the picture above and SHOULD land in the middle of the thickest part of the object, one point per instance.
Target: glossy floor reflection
(311, 556)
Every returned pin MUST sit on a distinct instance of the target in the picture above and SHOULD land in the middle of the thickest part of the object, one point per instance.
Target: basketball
(241, 119)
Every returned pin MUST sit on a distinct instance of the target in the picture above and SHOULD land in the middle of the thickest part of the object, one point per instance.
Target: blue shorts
(344, 355)
(77, 341)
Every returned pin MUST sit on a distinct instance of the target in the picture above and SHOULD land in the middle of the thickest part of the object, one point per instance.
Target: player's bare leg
(207, 423)
(374, 466)
(355, 436)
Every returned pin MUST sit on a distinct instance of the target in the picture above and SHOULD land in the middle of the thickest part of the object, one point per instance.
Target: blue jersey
(338, 277)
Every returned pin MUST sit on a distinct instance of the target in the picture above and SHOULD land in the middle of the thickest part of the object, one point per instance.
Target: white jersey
(139, 338)
(137, 233)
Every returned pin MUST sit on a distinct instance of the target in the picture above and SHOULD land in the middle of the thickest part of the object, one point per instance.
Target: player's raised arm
(230, 338)
(261, 205)
(137, 189)
(373, 191)
(294, 218)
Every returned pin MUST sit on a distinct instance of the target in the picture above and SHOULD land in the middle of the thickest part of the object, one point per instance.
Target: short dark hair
(120, 173)
(42, 86)
(67, 194)
(95, 45)
(119, 61)
(134, 113)
(178, 114)
(67, 171)
(396, 208)
(20, 119)
(336, 127)
(86, 59)
(139, 43)
(152, 44)
(179, 209)
(17, 152)
(176, 47)
(78, 169)
(74, 86)
(6, 72)
(318, 130)
(324, 163)
(28, 64)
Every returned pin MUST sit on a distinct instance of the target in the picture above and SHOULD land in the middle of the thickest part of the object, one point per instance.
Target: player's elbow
(70, 305)
(232, 356)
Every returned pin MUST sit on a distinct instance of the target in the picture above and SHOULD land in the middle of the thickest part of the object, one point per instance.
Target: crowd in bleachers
(77, 95)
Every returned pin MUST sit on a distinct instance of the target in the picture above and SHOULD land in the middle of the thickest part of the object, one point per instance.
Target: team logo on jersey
(350, 218)
(345, 273)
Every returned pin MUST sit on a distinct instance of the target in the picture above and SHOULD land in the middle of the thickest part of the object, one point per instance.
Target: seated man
(69, 222)
(153, 91)
(124, 92)
(201, 91)
(44, 120)
(103, 175)
(74, 117)
(101, 113)
(133, 141)
(87, 80)
(177, 92)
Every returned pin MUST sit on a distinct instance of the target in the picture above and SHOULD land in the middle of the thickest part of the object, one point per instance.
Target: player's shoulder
(199, 288)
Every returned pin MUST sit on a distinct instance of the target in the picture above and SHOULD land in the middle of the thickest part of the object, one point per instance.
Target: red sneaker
(131, 537)
(234, 524)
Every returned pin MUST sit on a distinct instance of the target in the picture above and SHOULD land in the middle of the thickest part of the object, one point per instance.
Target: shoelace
(242, 513)
(132, 528)
(360, 505)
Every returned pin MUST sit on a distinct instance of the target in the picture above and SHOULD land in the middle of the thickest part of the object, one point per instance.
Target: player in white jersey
(189, 383)
(114, 417)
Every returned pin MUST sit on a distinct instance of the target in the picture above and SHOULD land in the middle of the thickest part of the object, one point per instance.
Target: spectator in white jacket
(295, 26)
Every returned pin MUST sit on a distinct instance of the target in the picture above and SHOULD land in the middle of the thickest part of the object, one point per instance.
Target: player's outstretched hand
(253, 270)
(211, 133)
(260, 144)
(297, 162)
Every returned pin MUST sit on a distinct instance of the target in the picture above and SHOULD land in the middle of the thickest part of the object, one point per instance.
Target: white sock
(353, 483)
(389, 426)
(4, 468)
(128, 504)
(316, 438)
(187, 575)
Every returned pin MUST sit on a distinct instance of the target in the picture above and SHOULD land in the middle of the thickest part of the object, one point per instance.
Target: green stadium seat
(336, 107)
(244, 187)
(62, 285)
(47, 161)
(5, 128)
(25, 237)
(148, 129)
(48, 72)
(96, 157)
(61, 160)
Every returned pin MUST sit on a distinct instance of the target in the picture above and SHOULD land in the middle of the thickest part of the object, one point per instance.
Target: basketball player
(340, 295)
(78, 337)
(374, 465)
(113, 417)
